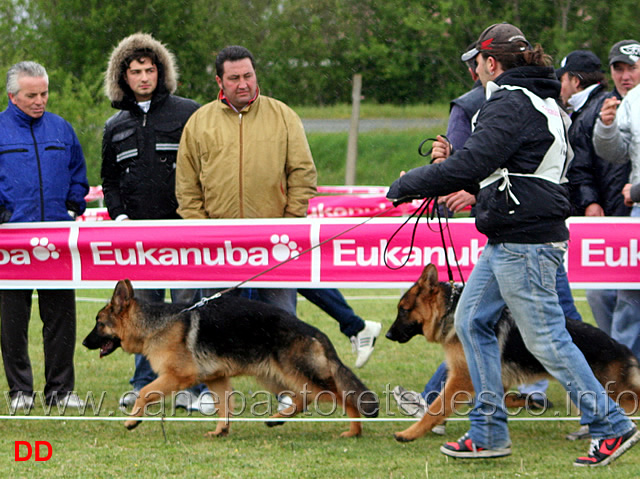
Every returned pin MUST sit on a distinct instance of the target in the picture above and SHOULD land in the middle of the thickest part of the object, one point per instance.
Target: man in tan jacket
(245, 155)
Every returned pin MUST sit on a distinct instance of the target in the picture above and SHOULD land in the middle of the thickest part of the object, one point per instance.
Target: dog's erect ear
(122, 294)
(429, 276)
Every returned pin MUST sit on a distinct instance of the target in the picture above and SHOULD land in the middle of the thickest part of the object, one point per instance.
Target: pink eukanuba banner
(310, 252)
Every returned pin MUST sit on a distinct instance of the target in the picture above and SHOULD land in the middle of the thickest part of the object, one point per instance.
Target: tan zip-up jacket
(252, 164)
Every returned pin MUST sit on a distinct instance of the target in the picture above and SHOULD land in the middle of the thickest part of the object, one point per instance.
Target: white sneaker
(363, 343)
(410, 402)
(204, 404)
(128, 399)
(21, 402)
(185, 399)
(71, 400)
(284, 402)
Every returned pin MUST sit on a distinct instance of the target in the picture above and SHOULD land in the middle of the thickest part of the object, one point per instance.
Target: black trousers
(58, 315)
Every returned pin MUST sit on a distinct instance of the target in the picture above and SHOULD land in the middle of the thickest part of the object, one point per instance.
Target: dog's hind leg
(294, 408)
(355, 427)
(221, 389)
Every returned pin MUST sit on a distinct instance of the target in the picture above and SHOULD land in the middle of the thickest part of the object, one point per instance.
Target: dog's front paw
(217, 433)
(400, 437)
(131, 424)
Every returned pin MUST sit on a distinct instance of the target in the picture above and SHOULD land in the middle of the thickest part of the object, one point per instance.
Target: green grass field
(104, 449)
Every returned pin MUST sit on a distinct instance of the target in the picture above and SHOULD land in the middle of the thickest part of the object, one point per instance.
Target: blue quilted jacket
(42, 169)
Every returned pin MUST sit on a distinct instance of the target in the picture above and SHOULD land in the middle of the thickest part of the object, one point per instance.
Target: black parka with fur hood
(139, 149)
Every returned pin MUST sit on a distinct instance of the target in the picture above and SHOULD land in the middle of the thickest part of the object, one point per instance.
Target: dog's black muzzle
(106, 344)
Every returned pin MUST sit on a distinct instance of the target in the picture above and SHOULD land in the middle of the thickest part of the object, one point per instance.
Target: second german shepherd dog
(427, 309)
(229, 336)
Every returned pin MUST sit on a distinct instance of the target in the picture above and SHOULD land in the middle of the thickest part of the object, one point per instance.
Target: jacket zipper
(35, 144)
(240, 185)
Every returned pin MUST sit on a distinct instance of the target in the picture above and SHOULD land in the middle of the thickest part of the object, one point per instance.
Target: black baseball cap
(579, 61)
(626, 51)
(498, 38)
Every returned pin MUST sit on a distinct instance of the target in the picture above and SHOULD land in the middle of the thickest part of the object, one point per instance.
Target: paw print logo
(283, 248)
(43, 250)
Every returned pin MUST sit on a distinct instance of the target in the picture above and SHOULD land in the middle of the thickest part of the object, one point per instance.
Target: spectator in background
(616, 138)
(245, 155)
(594, 184)
(600, 180)
(139, 149)
(43, 177)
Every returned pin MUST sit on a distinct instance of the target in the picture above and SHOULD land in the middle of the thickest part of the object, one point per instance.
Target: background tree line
(306, 50)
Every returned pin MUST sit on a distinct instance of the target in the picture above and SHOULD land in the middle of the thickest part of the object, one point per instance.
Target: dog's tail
(356, 393)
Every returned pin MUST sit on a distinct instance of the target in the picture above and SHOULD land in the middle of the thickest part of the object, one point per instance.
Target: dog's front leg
(153, 393)
(440, 409)
(221, 388)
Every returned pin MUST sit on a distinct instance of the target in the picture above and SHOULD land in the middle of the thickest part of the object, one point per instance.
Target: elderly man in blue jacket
(43, 177)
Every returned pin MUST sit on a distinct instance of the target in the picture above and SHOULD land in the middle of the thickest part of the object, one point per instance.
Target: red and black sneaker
(604, 451)
(466, 448)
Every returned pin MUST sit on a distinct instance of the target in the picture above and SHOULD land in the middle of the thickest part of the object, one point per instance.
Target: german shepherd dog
(227, 337)
(428, 307)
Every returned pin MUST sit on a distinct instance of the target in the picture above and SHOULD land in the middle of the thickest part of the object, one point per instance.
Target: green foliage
(306, 51)
(382, 155)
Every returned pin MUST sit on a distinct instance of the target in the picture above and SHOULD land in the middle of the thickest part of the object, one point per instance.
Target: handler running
(515, 162)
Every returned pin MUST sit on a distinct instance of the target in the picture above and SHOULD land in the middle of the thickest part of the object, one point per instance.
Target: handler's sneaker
(465, 448)
(363, 342)
(604, 451)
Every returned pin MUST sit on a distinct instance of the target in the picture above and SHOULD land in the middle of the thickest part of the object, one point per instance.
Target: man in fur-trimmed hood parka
(139, 149)
(140, 142)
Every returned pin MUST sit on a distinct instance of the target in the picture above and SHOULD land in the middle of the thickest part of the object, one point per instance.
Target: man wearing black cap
(624, 62)
(594, 183)
(515, 160)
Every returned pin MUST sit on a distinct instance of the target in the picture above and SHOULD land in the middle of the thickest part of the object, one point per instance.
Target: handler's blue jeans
(523, 277)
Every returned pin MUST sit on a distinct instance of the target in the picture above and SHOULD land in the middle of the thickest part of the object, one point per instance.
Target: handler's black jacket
(593, 179)
(139, 156)
(510, 133)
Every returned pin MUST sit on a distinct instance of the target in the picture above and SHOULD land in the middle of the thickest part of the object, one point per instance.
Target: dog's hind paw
(131, 424)
(400, 438)
(217, 433)
(274, 423)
